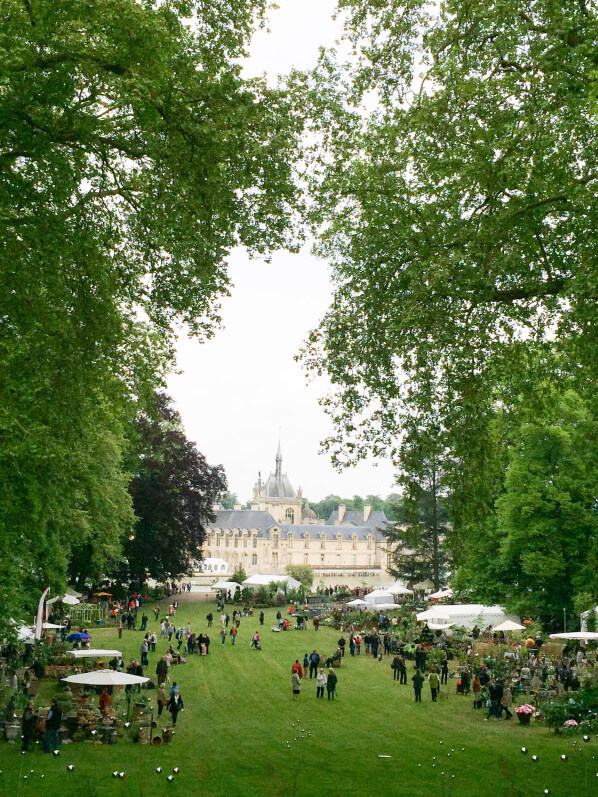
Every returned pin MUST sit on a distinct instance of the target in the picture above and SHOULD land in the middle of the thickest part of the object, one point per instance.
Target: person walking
(161, 670)
(233, 634)
(223, 635)
(175, 704)
(331, 682)
(320, 682)
(434, 682)
(153, 640)
(53, 723)
(296, 684)
(396, 667)
(418, 680)
(476, 688)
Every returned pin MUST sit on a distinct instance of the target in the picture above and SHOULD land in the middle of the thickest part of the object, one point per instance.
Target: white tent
(106, 678)
(230, 587)
(398, 589)
(442, 593)
(581, 635)
(263, 580)
(357, 602)
(509, 625)
(379, 596)
(466, 614)
(385, 607)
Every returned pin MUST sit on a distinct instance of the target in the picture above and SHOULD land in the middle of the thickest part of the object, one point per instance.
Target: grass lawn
(374, 740)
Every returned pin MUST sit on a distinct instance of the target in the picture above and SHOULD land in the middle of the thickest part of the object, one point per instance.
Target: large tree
(173, 491)
(133, 156)
(455, 185)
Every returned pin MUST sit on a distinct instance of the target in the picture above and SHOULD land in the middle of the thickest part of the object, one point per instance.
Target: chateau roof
(244, 519)
(376, 520)
(331, 532)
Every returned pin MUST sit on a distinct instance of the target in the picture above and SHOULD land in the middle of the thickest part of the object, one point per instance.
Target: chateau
(280, 529)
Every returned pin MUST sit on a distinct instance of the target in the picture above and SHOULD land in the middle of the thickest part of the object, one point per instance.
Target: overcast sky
(242, 390)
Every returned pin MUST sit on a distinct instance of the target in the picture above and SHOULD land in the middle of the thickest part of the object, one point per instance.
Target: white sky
(238, 392)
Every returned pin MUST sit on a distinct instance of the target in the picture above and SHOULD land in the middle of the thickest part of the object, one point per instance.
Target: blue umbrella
(78, 636)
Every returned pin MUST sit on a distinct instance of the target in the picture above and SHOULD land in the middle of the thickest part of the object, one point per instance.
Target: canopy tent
(230, 587)
(442, 593)
(509, 625)
(259, 580)
(385, 607)
(356, 602)
(424, 586)
(379, 596)
(52, 625)
(398, 589)
(94, 652)
(105, 678)
(586, 636)
(466, 614)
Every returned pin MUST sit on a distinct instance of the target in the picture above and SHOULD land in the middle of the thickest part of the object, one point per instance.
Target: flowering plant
(525, 708)
(571, 724)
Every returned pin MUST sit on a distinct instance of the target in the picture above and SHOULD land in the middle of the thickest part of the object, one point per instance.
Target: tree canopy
(454, 180)
(173, 490)
(133, 156)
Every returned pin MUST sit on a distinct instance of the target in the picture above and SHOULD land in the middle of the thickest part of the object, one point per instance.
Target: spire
(278, 473)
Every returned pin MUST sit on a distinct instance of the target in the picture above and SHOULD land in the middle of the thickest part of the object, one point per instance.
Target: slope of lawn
(232, 737)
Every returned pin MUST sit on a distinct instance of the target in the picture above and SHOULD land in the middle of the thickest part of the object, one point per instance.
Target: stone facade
(266, 538)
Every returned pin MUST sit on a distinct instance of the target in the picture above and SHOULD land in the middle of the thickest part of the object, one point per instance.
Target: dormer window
(289, 515)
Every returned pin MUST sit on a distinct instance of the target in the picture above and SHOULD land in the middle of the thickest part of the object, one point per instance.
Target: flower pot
(11, 732)
(524, 719)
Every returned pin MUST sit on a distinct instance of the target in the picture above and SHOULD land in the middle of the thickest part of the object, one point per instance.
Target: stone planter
(11, 731)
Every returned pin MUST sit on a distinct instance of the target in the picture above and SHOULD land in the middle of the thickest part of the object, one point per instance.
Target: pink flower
(526, 708)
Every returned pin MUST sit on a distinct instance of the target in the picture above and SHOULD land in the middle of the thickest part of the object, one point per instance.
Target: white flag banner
(40, 615)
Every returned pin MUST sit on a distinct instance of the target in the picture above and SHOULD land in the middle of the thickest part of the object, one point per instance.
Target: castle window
(322, 540)
(275, 558)
(339, 541)
(305, 559)
(369, 540)
(255, 540)
(289, 515)
(306, 537)
(254, 559)
(236, 541)
(275, 540)
(245, 541)
(354, 540)
(226, 541)
(291, 538)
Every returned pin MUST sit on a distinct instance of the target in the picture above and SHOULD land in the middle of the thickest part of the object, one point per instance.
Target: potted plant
(524, 713)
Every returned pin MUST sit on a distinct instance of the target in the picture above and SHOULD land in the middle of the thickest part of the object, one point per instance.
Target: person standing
(314, 660)
(179, 637)
(233, 634)
(261, 618)
(297, 668)
(27, 725)
(161, 670)
(161, 698)
(104, 701)
(341, 644)
(331, 682)
(121, 625)
(152, 641)
(444, 671)
(418, 680)
(144, 650)
(358, 644)
(144, 619)
(175, 704)
(320, 682)
(506, 701)
(296, 684)
(316, 623)
(402, 670)
(476, 688)
(396, 667)
(53, 723)
(223, 635)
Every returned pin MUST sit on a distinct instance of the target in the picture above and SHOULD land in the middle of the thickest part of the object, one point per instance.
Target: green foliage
(228, 500)
(133, 157)
(173, 491)
(302, 573)
(239, 575)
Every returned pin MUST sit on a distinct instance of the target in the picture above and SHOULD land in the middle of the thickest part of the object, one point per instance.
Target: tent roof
(260, 580)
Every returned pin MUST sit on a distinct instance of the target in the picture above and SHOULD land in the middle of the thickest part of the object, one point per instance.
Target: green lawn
(239, 714)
